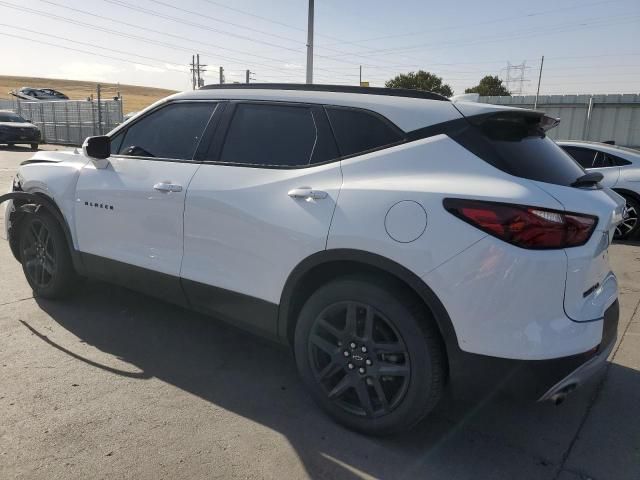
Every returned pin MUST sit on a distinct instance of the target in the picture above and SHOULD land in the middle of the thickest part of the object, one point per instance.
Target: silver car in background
(620, 168)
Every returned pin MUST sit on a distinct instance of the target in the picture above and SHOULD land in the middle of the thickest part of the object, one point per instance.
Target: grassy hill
(134, 97)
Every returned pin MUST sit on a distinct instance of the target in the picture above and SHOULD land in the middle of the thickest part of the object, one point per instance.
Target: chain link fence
(68, 122)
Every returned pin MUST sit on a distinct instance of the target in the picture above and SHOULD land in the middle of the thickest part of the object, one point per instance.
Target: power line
(129, 35)
(78, 50)
(203, 15)
(465, 26)
(199, 25)
(599, 22)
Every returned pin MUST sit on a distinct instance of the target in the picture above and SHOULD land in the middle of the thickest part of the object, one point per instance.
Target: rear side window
(514, 143)
(357, 131)
(172, 132)
(270, 135)
(614, 161)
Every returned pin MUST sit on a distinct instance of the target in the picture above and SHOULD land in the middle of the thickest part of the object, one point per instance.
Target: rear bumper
(593, 365)
(536, 379)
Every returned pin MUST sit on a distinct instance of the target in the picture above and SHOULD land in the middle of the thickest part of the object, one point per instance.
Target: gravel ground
(113, 384)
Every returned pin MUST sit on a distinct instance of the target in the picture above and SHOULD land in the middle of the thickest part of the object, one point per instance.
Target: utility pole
(248, 75)
(535, 103)
(200, 69)
(360, 75)
(99, 110)
(193, 72)
(221, 75)
(310, 44)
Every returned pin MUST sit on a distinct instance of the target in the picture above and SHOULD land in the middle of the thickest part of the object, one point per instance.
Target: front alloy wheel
(45, 256)
(38, 254)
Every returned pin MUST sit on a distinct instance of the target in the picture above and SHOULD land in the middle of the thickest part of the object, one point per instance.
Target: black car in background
(29, 93)
(15, 129)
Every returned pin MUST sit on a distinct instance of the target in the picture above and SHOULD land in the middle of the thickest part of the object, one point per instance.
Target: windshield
(11, 117)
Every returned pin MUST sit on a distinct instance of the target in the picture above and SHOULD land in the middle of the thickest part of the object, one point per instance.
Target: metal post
(193, 72)
(107, 116)
(198, 70)
(221, 75)
(360, 75)
(535, 103)
(55, 123)
(247, 76)
(44, 127)
(587, 123)
(80, 139)
(66, 117)
(310, 44)
(99, 112)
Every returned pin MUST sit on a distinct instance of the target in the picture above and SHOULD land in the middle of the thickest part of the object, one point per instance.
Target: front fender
(27, 203)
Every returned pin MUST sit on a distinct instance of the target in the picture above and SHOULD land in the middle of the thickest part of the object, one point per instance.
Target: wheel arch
(29, 203)
(627, 193)
(324, 266)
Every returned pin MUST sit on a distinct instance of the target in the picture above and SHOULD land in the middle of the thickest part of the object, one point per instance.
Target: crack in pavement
(594, 399)
(16, 301)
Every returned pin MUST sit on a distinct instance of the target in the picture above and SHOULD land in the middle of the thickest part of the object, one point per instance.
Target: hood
(67, 156)
(18, 124)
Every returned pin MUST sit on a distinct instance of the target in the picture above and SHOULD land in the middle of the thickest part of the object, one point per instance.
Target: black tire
(34, 146)
(11, 145)
(44, 254)
(403, 369)
(628, 229)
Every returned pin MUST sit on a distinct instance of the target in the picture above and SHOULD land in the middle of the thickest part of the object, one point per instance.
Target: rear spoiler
(530, 119)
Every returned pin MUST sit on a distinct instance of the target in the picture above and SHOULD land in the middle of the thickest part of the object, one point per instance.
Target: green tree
(420, 80)
(489, 86)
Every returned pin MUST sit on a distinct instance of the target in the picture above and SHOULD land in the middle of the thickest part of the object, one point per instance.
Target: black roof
(314, 87)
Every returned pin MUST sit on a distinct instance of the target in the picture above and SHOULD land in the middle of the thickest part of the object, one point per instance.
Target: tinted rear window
(516, 145)
(357, 131)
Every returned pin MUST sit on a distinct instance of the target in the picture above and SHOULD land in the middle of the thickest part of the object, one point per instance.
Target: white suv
(387, 235)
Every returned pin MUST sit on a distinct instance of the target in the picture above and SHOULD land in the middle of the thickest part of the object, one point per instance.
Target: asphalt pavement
(114, 384)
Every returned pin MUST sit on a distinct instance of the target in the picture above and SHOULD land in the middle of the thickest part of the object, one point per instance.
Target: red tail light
(525, 226)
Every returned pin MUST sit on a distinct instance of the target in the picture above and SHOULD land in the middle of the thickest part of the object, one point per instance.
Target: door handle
(167, 187)
(307, 193)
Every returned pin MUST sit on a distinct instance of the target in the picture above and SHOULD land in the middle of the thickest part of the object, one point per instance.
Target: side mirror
(97, 149)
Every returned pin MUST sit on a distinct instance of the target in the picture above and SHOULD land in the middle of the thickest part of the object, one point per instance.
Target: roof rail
(314, 87)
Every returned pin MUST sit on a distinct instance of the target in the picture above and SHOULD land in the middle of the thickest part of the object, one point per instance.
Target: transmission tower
(515, 77)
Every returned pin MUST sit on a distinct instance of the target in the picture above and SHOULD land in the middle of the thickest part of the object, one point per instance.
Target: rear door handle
(167, 187)
(307, 193)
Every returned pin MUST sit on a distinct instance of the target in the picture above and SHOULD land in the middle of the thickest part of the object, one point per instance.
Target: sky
(590, 46)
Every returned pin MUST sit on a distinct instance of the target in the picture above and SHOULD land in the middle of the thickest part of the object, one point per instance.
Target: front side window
(171, 132)
(358, 131)
(270, 135)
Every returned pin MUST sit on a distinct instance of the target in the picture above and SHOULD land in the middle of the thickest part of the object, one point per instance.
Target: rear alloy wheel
(45, 257)
(629, 227)
(370, 359)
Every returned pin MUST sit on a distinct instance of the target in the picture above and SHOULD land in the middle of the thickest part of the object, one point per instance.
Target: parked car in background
(620, 169)
(388, 236)
(15, 129)
(29, 93)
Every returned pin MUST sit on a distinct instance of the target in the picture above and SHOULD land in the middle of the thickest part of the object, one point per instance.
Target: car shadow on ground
(477, 433)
